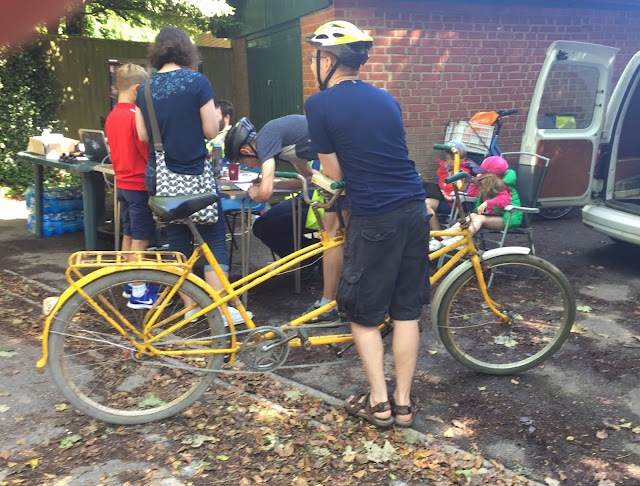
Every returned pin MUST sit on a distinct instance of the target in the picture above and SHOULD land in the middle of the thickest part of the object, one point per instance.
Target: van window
(569, 97)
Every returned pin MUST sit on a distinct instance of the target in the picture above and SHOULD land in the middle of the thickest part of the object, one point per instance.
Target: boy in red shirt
(129, 158)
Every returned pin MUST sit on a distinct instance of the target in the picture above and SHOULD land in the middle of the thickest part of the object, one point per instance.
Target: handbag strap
(155, 129)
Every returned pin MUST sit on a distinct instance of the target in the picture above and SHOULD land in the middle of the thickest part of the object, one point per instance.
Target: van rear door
(566, 118)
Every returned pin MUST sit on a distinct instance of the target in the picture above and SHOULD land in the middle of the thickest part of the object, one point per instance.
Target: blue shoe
(147, 300)
(128, 289)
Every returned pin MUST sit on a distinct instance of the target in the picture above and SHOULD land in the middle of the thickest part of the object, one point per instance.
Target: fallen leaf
(67, 442)
(433, 418)
(291, 395)
(449, 433)
(431, 351)
(602, 434)
(33, 463)
(60, 407)
(151, 402)
(577, 329)
(571, 438)
(514, 381)
(4, 408)
(584, 308)
(359, 474)
(482, 388)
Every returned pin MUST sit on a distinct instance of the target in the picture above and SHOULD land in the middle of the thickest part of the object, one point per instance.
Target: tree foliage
(30, 97)
(141, 19)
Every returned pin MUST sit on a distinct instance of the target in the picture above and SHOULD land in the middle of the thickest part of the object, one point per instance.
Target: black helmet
(238, 135)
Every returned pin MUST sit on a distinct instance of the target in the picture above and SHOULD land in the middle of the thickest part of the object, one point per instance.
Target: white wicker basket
(476, 137)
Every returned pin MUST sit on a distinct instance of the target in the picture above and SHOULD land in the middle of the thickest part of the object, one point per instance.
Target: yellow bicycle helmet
(344, 40)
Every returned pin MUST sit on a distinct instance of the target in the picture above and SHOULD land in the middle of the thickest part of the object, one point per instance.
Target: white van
(591, 136)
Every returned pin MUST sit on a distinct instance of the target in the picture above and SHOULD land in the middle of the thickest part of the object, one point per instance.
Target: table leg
(38, 197)
(245, 240)
(89, 208)
(297, 232)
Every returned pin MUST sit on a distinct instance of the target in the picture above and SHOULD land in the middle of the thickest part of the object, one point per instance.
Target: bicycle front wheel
(98, 369)
(533, 292)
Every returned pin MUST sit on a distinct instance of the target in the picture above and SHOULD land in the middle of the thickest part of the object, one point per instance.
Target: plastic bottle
(58, 223)
(29, 197)
(77, 199)
(47, 202)
(80, 220)
(48, 227)
(31, 222)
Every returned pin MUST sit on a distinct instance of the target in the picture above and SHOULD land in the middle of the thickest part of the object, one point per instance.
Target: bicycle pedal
(304, 339)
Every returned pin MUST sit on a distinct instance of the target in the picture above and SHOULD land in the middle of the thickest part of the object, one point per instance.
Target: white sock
(138, 290)
(324, 301)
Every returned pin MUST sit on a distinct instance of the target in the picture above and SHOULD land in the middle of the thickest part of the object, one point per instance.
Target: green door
(275, 72)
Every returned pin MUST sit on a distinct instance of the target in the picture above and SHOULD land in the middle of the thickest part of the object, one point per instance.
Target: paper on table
(247, 176)
(244, 185)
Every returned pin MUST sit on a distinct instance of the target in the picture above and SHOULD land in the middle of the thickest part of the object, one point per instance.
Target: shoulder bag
(169, 183)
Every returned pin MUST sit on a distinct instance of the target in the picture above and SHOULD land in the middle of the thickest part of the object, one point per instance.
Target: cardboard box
(43, 145)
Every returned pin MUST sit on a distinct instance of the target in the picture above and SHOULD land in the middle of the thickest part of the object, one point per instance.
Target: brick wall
(445, 62)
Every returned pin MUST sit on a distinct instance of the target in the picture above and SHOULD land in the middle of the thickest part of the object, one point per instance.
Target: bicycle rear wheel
(96, 368)
(532, 291)
(555, 213)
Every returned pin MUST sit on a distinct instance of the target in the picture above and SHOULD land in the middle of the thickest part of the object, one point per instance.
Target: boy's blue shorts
(135, 214)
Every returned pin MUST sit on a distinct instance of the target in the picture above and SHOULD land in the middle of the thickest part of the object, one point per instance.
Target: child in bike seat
(495, 190)
(440, 195)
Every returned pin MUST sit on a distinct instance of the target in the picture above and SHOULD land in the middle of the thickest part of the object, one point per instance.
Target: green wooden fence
(82, 67)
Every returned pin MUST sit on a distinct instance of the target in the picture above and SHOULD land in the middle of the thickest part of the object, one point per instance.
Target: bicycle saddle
(171, 208)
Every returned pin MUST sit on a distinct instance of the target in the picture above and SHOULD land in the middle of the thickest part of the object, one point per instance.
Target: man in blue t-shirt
(358, 133)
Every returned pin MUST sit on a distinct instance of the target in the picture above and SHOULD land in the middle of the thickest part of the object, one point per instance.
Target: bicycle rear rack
(81, 261)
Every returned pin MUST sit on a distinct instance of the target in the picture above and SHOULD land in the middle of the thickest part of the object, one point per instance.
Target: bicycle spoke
(532, 292)
(106, 376)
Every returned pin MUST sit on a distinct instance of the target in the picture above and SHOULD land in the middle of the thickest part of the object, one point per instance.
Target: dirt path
(576, 418)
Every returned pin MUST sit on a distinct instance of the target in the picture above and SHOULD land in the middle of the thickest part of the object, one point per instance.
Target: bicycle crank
(265, 349)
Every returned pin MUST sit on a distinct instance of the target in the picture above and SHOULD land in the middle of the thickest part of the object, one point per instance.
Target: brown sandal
(405, 410)
(360, 406)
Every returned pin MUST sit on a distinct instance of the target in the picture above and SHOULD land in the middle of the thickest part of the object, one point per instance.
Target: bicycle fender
(87, 279)
(436, 301)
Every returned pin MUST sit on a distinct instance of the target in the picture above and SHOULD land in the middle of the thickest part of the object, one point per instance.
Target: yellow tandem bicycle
(132, 366)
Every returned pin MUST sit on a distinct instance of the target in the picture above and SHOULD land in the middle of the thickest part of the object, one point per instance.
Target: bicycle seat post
(196, 234)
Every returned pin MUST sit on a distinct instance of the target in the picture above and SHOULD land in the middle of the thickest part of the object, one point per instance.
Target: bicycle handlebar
(442, 146)
(340, 185)
(286, 175)
(506, 112)
(456, 177)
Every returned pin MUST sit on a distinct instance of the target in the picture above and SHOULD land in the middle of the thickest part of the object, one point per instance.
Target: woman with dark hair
(183, 102)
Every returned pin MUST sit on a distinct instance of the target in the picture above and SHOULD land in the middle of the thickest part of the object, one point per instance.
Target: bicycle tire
(555, 213)
(94, 367)
(532, 290)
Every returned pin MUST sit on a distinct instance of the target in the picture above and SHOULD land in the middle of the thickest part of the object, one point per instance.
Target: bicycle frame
(175, 263)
